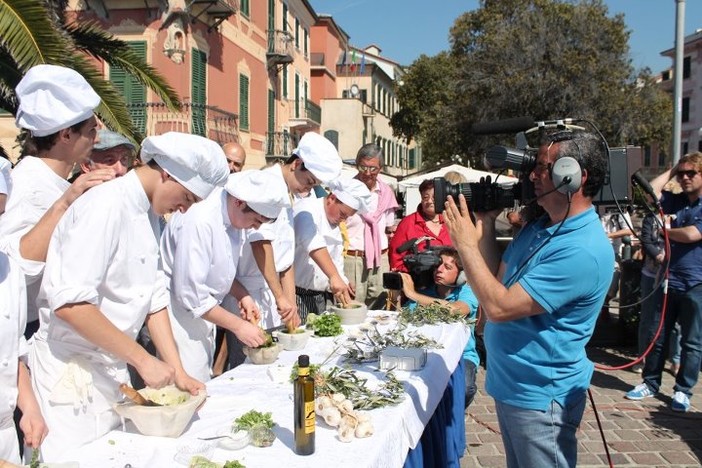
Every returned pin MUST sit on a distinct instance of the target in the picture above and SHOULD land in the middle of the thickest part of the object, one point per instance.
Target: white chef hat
(52, 98)
(196, 162)
(351, 192)
(261, 190)
(320, 156)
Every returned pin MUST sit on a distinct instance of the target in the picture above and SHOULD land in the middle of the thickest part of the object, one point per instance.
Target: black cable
(599, 426)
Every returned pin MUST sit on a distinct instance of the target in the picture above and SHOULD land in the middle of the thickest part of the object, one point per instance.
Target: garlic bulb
(348, 421)
(346, 406)
(345, 434)
(364, 429)
(323, 402)
(362, 416)
(338, 397)
(331, 416)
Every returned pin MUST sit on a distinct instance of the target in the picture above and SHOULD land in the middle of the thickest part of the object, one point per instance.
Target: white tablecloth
(397, 428)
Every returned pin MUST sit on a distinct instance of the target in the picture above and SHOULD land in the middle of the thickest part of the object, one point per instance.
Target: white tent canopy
(410, 185)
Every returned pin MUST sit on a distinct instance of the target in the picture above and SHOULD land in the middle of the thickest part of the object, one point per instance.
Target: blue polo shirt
(685, 258)
(534, 360)
(463, 294)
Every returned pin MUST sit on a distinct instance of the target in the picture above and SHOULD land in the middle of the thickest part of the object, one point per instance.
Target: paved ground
(644, 433)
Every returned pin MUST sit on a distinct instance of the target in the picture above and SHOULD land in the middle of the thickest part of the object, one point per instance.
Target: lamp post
(677, 90)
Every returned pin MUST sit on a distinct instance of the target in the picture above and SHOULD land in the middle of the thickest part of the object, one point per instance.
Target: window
(297, 95)
(271, 16)
(684, 147)
(243, 102)
(661, 159)
(647, 157)
(244, 8)
(297, 34)
(686, 109)
(333, 136)
(665, 76)
(199, 92)
(412, 159)
(306, 44)
(686, 67)
(699, 145)
(285, 17)
(271, 111)
(133, 92)
(285, 82)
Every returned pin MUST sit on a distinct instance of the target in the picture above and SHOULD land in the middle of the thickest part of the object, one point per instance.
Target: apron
(195, 338)
(262, 295)
(77, 407)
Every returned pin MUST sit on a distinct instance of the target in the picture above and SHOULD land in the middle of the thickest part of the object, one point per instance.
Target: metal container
(407, 359)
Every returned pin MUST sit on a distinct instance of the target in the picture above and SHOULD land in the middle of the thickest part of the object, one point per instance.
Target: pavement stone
(638, 433)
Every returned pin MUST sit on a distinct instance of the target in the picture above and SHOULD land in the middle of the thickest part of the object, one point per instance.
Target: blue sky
(405, 29)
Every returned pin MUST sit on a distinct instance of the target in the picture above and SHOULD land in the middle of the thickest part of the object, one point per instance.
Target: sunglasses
(690, 174)
(370, 169)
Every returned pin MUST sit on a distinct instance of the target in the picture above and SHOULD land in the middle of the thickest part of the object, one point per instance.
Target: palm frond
(92, 39)
(29, 34)
(112, 110)
(9, 77)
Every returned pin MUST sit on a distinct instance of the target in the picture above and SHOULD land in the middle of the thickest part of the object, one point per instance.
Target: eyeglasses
(690, 174)
(428, 197)
(371, 169)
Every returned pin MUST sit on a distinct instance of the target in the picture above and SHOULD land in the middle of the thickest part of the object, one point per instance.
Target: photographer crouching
(449, 288)
(542, 298)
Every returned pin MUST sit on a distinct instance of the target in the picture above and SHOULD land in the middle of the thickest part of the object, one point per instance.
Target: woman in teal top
(450, 288)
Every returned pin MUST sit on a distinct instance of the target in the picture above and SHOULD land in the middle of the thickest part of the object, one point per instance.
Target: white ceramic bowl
(162, 421)
(235, 440)
(292, 341)
(266, 355)
(353, 315)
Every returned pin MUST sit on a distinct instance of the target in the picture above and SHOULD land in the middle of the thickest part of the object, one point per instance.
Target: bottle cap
(303, 360)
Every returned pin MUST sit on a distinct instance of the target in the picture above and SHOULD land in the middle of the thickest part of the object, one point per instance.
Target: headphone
(566, 173)
(461, 280)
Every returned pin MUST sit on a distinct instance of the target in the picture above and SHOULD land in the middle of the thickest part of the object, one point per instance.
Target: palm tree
(33, 32)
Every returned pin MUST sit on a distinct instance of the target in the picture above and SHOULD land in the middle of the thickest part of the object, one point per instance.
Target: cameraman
(450, 289)
(543, 301)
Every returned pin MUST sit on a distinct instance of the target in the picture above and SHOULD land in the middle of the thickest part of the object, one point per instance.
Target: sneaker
(637, 369)
(639, 392)
(680, 402)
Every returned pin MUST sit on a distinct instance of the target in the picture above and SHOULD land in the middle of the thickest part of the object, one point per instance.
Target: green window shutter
(133, 92)
(285, 82)
(243, 102)
(297, 95)
(297, 34)
(271, 111)
(285, 17)
(199, 92)
(244, 6)
(271, 16)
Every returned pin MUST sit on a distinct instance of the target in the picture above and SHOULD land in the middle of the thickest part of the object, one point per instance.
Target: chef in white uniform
(103, 280)
(5, 182)
(200, 251)
(56, 107)
(271, 249)
(319, 247)
(16, 389)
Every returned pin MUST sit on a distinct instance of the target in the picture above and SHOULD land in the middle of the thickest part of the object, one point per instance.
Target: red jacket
(413, 226)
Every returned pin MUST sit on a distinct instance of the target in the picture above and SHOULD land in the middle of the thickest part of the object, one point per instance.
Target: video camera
(420, 265)
(487, 195)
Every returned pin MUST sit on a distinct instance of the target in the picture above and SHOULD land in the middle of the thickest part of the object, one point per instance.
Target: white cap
(352, 192)
(52, 98)
(261, 190)
(196, 162)
(320, 156)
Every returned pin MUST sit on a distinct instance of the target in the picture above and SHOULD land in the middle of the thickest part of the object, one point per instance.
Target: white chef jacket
(13, 319)
(312, 232)
(104, 251)
(35, 187)
(5, 176)
(282, 237)
(200, 251)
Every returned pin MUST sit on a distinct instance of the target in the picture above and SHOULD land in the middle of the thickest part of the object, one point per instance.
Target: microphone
(639, 180)
(513, 125)
(406, 245)
(566, 180)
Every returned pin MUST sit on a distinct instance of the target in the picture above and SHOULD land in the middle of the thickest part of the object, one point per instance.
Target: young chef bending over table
(103, 279)
(200, 252)
(319, 256)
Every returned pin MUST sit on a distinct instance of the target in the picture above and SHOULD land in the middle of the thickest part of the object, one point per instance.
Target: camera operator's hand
(407, 285)
(464, 234)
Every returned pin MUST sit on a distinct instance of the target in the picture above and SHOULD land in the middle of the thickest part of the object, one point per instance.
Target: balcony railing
(310, 112)
(154, 118)
(317, 59)
(281, 46)
(279, 145)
